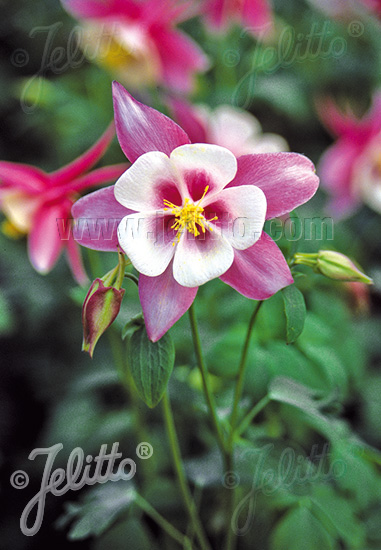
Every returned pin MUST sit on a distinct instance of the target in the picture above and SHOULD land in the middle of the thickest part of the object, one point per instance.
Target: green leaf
(300, 529)
(337, 513)
(295, 309)
(309, 402)
(132, 326)
(97, 510)
(132, 533)
(151, 365)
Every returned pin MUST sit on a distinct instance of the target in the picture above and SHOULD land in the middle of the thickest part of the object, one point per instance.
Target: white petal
(241, 213)
(266, 143)
(231, 125)
(202, 164)
(147, 242)
(147, 182)
(198, 260)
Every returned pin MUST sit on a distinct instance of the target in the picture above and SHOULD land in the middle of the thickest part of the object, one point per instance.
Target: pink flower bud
(99, 311)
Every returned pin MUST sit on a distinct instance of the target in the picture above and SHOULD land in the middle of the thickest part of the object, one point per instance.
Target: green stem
(163, 523)
(231, 538)
(241, 375)
(206, 385)
(178, 465)
(242, 427)
(120, 360)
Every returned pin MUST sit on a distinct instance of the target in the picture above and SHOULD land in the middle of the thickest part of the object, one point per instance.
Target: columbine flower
(193, 212)
(254, 15)
(351, 168)
(230, 127)
(138, 41)
(34, 202)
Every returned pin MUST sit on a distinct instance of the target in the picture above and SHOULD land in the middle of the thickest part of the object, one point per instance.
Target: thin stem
(241, 374)
(120, 360)
(242, 427)
(178, 465)
(231, 538)
(206, 385)
(162, 522)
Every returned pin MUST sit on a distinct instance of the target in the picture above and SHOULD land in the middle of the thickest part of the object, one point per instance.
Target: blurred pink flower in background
(230, 127)
(359, 296)
(187, 186)
(346, 9)
(138, 41)
(350, 169)
(254, 15)
(33, 201)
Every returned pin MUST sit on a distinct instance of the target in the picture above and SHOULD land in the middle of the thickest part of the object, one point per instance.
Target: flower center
(188, 217)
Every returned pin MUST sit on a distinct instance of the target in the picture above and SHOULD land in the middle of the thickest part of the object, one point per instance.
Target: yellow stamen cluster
(188, 216)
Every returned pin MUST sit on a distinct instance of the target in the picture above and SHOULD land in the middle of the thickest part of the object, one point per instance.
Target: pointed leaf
(295, 309)
(151, 365)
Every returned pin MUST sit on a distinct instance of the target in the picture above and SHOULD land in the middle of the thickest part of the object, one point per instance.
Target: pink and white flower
(139, 42)
(193, 212)
(33, 202)
(227, 126)
(255, 15)
(351, 168)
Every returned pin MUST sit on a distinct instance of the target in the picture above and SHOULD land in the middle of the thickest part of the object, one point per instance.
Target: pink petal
(44, 243)
(181, 57)
(23, 177)
(100, 176)
(163, 301)
(75, 262)
(338, 122)
(341, 207)
(85, 161)
(373, 118)
(336, 166)
(259, 271)
(287, 179)
(141, 129)
(216, 14)
(97, 218)
(256, 14)
(189, 120)
(99, 9)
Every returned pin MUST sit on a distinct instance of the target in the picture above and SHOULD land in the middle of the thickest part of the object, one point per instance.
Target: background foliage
(52, 393)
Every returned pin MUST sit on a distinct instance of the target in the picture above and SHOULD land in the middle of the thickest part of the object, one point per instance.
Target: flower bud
(333, 265)
(99, 311)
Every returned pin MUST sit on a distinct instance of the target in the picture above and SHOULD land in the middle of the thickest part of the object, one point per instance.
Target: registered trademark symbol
(356, 29)
(144, 450)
